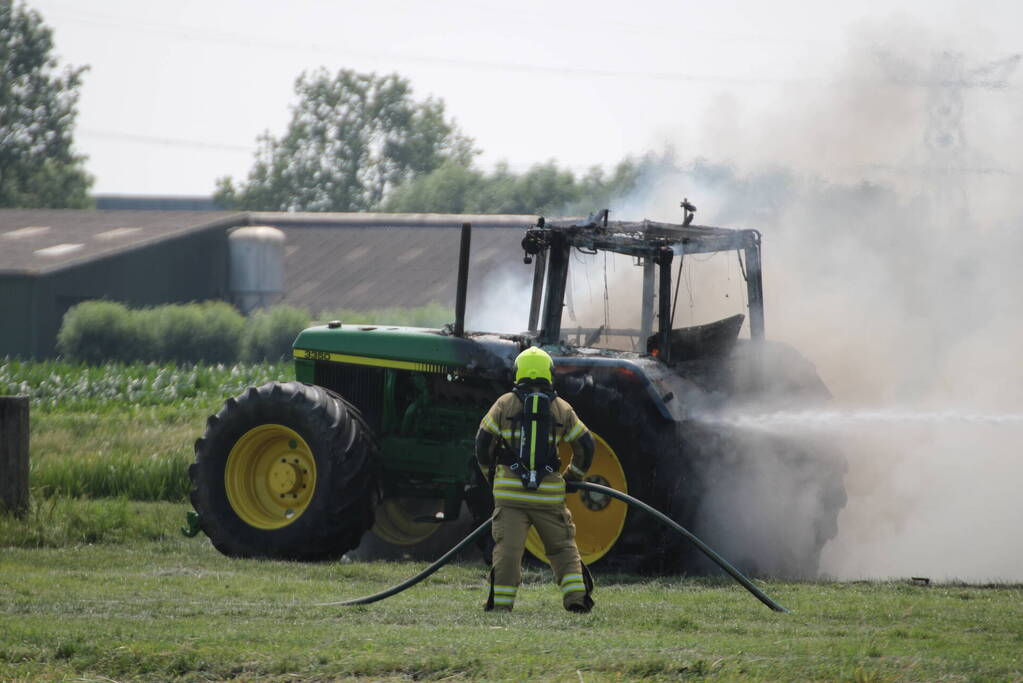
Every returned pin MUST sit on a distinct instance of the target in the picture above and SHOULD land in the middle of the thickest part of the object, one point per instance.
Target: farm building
(53, 259)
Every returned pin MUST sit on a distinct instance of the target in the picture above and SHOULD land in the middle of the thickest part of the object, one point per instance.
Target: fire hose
(571, 486)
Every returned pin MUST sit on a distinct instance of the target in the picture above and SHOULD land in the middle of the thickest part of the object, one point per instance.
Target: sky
(177, 92)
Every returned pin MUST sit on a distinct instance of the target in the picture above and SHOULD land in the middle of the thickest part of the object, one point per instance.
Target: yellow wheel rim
(394, 521)
(270, 476)
(598, 519)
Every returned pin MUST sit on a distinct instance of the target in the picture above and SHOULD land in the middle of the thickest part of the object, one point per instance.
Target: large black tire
(638, 439)
(285, 471)
(767, 502)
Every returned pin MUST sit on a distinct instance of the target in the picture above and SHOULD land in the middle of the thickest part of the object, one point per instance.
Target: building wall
(188, 268)
(17, 325)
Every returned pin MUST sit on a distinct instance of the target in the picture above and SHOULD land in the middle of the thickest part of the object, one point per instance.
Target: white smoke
(502, 304)
(895, 273)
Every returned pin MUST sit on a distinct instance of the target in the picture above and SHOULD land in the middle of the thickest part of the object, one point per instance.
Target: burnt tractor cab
(370, 450)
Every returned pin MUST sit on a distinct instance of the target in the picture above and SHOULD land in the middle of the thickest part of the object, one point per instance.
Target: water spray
(823, 420)
(570, 486)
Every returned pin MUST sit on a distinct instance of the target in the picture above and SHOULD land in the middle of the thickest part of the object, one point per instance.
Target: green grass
(58, 522)
(141, 453)
(99, 586)
(149, 604)
(122, 430)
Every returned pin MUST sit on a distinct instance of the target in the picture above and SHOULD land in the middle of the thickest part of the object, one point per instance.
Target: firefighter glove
(573, 473)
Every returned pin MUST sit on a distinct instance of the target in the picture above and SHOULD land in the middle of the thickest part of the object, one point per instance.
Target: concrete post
(14, 454)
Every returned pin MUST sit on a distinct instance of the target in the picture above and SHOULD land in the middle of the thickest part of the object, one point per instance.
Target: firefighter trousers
(553, 522)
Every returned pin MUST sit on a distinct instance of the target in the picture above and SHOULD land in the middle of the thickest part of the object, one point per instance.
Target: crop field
(97, 583)
(122, 430)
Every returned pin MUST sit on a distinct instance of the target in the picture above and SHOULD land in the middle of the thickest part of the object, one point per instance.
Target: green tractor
(374, 441)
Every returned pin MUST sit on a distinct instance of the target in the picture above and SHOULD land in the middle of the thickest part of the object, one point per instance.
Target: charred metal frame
(463, 279)
(646, 326)
(755, 286)
(539, 272)
(664, 259)
(650, 242)
(558, 249)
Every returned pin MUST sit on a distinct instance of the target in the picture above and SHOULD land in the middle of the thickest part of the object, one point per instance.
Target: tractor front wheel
(284, 471)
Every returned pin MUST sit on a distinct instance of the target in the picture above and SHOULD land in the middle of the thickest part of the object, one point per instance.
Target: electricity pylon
(947, 156)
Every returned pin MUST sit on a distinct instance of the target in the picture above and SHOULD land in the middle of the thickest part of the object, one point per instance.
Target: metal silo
(257, 267)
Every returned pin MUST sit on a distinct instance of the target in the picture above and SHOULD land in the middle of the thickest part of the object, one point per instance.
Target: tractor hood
(485, 356)
(410, 348)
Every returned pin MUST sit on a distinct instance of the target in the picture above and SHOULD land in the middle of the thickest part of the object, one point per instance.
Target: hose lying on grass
(571, 486)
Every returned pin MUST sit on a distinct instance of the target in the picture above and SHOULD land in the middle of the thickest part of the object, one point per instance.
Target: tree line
(355, 142)
(38, 106)
(363, 142)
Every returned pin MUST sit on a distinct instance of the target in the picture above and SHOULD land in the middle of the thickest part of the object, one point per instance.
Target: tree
(38, 106)
(543, 189)
(352, 138)
(452, 188)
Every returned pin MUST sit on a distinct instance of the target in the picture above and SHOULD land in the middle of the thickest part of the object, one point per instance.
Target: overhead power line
(221, 37)
(165, 141)
(204, 35)
(515, 166)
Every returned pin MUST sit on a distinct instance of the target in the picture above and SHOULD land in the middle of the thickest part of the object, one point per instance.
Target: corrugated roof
(330, 267)
(42, 240)
(365, 261)
(332, 261)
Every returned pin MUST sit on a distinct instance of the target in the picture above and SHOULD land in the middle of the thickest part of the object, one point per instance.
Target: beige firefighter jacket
(502, 421)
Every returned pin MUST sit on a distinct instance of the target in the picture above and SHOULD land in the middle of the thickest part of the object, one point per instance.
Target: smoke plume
(891, 231)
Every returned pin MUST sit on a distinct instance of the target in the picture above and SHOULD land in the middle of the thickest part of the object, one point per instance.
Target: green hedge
(102, 331)
(211, 332)
(269, 334)
(431, 315)
(98, 331)
(193, 333)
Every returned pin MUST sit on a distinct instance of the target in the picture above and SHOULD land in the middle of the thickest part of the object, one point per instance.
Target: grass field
(150, 604)
(96, 583)
(122, 430)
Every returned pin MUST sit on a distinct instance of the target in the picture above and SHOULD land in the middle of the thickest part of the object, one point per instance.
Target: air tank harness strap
(571, 486)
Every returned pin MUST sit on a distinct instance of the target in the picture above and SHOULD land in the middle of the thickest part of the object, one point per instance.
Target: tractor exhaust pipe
(463, 280)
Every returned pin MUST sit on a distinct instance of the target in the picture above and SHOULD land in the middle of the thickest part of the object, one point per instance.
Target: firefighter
(517, 450)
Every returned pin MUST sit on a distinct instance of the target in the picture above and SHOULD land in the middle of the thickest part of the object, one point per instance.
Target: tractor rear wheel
(768, 504)
(629, 442)
(285, 471)
(599, 519)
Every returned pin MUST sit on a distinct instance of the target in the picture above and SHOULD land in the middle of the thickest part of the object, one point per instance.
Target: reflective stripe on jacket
(502, 420)
(509, 489)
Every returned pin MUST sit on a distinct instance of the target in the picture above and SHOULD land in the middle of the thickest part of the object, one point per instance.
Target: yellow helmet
(534, 363)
